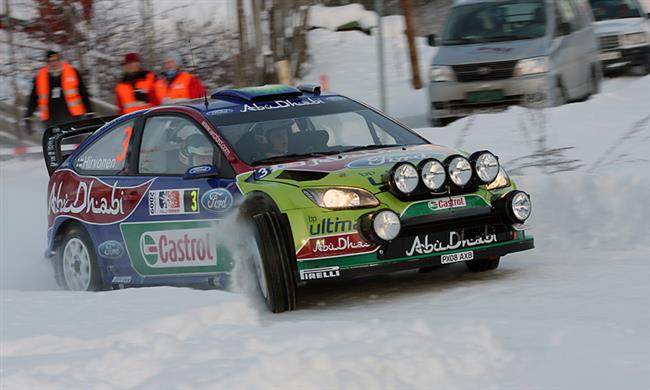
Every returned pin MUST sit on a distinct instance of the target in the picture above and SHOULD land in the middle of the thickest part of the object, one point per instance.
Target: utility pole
(259, 54)
(241, 57)
(407, 7)
(12, 65)
(146, 11)
(379, 8)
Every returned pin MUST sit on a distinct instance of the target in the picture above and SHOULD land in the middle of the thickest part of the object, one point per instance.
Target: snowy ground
(571, 314)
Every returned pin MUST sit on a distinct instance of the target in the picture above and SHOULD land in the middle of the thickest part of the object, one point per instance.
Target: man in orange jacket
(177, 85)
(135, 91)
(59, 94)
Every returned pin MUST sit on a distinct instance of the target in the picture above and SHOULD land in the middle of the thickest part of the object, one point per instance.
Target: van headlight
(530, 66)
(338, 198)
(442, 73)
(635, 39)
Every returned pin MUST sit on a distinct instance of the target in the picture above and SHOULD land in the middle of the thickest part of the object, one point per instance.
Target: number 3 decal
(195, 205)
(125, 144)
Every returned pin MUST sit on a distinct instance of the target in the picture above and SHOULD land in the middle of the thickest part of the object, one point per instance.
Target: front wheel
(76, 262)
(272, 267)
(482, 265)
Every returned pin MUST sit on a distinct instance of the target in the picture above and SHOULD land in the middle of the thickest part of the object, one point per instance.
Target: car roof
(239, 97)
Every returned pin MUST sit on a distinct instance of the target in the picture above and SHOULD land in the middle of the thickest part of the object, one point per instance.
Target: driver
(277, 137)
(195, 150)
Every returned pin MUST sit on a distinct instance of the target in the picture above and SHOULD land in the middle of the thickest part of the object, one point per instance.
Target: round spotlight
(520, 205)
(433, 174)
(386, 225)
(460, 170)
(487, 167)
(405, 178)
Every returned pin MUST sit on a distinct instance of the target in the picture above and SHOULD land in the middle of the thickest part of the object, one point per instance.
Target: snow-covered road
(571, 314)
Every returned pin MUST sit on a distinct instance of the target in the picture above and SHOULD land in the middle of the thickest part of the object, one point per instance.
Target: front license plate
(610, 55)
(485, 96)
(456, 257)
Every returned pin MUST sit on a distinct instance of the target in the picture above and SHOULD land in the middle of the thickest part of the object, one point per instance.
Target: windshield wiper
(365, 147)
(289, 157)
(458, 41)
(501, 38)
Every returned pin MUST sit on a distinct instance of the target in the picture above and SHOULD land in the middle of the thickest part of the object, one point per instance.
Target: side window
(107, 155)
(173, 144)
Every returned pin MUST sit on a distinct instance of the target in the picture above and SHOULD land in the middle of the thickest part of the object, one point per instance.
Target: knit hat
(51, 53)
(131, 57)
(174, 56)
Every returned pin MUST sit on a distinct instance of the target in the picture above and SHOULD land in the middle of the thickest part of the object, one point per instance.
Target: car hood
(364, 169)
(490, 52)
(619, 26)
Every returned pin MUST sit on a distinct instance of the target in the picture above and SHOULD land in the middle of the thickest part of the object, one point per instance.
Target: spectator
(136, 89)
(59, 93)
(177, 85)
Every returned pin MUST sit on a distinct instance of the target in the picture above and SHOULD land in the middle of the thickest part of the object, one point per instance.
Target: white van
(496, 53)
(623, 31)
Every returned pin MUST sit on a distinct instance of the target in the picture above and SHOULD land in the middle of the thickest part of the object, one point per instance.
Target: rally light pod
(404, 178)
(486, 166)
(515, 205)
(459, 170)
(433, 174)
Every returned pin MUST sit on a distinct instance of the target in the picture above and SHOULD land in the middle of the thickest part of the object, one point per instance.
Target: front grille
(485, 71)
(503, 103)
(608, 42)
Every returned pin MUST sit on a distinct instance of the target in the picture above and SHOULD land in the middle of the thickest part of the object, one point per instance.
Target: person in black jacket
(58, 93)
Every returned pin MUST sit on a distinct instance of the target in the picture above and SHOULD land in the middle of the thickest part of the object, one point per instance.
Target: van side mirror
(202, 172)
(431, 40)
(564, 28)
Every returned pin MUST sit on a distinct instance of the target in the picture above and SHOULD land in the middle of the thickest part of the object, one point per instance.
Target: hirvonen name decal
(280, 104)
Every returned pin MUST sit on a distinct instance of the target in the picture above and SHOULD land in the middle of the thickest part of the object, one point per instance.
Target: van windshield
(495, 22)
(615, 9)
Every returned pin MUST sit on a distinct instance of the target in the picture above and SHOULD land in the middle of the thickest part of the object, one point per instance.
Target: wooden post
(407, 7)
(13, 72)
(241, 74)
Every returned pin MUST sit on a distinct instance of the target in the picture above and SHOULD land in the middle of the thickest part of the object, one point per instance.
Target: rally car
(330, 188)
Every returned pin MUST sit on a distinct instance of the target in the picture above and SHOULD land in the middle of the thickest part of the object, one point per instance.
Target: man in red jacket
(135, 91)
(177, 85)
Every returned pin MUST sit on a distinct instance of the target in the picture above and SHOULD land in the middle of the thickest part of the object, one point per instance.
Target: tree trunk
(407, 6)
(13, 72)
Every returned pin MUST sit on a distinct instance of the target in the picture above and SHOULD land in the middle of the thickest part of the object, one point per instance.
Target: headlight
(486, 166)
(433, 174)
(634, 39)
(341, 198)
(501, 181)
(459, 170)
(442, 73)
(520, 206)
(404, 177)
(386, 225)
(533, 65)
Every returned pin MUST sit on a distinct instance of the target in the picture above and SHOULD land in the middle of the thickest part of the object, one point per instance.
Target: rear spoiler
(55, 151)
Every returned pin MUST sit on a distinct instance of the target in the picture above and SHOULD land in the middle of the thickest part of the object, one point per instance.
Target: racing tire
(273, 265)
(76, 265)
(482, 265)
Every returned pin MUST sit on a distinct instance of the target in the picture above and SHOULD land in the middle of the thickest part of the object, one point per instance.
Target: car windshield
(615, 9)
(306, 131)
(495, 22)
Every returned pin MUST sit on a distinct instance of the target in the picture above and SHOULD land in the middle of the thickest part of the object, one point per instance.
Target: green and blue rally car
(329, 187)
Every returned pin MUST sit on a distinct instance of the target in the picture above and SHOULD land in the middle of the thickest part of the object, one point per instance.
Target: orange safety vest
(126, 94)
(178, 90)
(69, 86)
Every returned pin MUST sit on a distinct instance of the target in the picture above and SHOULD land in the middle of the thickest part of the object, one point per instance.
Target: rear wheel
(76, 263)
(272, 267)
(481, 265)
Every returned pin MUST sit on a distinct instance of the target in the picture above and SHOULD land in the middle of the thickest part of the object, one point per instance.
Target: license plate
(456, 257)
(485, 96)
(610, 55)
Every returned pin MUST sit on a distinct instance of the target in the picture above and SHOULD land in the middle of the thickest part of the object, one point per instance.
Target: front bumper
(451, 99)
(621, 58)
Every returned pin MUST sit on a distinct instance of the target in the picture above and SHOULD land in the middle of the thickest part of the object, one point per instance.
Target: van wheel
(482, 265)
(559, 94)
(646, 67)
(272, 267)
(76, 265)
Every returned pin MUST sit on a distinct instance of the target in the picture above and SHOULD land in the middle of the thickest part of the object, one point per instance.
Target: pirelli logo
(319, 273)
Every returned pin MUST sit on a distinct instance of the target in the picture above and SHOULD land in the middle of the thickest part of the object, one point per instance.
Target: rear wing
(61, 140)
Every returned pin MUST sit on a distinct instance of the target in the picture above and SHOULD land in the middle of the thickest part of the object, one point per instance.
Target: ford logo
(483, 70)
(110, 249)
(217, 200)
(200, 169)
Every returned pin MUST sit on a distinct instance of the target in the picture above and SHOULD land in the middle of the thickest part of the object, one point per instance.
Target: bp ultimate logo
(179, 248)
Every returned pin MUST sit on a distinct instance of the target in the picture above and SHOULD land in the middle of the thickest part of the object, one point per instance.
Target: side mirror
(431, 40)
(564, 28)
(201, 172)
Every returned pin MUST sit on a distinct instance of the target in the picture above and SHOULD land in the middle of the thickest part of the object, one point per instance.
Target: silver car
(494, 54)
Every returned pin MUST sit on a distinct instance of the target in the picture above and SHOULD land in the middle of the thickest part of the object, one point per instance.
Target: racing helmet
(195, 150)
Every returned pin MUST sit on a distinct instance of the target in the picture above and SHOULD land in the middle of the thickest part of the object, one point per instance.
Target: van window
(615, 9)
(495, 22)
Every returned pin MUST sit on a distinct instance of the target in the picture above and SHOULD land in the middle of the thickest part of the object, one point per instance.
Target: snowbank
(342, 17)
